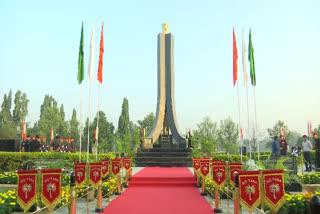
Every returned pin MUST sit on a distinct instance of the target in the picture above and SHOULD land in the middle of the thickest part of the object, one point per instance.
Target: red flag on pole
(310, 128)
(241, 134)
(101, 56)
(235, 59)
(23, 130)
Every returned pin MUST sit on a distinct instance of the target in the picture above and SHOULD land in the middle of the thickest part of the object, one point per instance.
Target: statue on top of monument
(165, 28)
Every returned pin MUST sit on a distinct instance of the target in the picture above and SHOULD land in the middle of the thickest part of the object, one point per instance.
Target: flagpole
(88, 124)
(80, 132)
(255, 114)
(248, 123)
(239, 120)
(245, 75)
(97, 131)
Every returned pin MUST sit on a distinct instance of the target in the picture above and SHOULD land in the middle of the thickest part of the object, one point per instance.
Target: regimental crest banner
(196, 164)
(127, 163)
(249, 187)
(105, 167)
(274, 189)
(95, 172)
(115, 167)
(80, 173)
(51, 187)
(204, 167)
(233, 168)
(219, 174)
(27, 188)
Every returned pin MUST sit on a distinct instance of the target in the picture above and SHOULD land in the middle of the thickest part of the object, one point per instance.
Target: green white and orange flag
(251, 59)
(101, 56)
(80, 60)
(235, 59)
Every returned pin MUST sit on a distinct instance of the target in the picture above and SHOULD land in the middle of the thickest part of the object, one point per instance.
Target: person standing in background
(275, 149)
(307, 147)
(283, 145)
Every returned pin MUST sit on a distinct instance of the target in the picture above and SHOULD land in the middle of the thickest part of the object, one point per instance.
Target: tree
(5, 115)
(73, 128)
(147, 122)
(8, 129)
(276, 130)
(50, 117)
(228, 135)
(20, 110)
(106, 134)
(205, 137)
(124, 121)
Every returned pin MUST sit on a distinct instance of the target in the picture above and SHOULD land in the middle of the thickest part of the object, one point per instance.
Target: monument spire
(166, 120)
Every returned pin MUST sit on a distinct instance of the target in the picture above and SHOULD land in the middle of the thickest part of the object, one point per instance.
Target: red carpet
(156, 190)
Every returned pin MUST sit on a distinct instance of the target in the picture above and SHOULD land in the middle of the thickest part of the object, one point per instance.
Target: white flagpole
(245, 75)
(97, 131)
(255, 114)
(239, 121)
(90, 73)
(89, 124)
(80, 127)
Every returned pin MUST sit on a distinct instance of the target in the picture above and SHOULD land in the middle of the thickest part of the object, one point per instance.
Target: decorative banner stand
(196, 167)
(273, 189)
(127, 166)
(95, 179)
(233, 169)
(219, 176)
(249, 188)
(204, 171)
(115, 169)
(51, 187)
(105, 167)
(27, 188)
(80, 173)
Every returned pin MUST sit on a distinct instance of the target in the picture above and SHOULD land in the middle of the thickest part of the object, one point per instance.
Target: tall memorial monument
(166, 125)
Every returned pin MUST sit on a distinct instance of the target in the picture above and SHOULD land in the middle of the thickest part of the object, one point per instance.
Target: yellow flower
(13, 203)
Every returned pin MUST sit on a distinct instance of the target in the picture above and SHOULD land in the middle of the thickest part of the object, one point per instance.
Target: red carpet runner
(156, 190)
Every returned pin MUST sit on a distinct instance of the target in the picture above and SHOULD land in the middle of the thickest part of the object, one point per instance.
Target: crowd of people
(37, 144)
(281, 147)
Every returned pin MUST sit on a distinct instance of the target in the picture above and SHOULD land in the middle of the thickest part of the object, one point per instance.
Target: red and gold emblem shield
(26, 194)
(274, 189)
(196, 164)
(95, 171)
(105, 167)
(80, 173)
(127, 163)
(249, 187)
(115, 166)
(204, 167)
(51, 187)
(219, 174)
(233, 168)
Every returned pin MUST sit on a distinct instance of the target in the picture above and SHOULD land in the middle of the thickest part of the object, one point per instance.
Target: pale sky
(39, 44)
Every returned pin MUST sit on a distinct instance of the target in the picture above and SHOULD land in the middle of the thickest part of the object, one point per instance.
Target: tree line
(208, 136)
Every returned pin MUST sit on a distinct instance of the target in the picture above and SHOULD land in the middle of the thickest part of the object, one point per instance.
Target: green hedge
(11, 161)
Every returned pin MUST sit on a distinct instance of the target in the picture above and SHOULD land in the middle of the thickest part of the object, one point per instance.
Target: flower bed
(295, 203)
(8, 200)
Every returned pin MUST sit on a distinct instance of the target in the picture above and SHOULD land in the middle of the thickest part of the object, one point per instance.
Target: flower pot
(310, 187)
